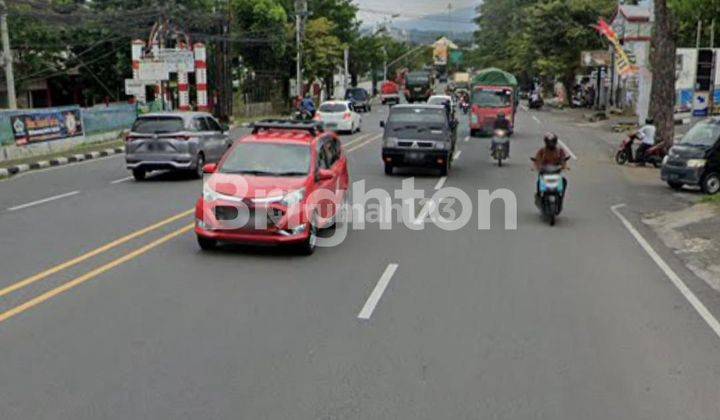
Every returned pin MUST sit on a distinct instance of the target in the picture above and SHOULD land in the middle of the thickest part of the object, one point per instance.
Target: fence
(95, 120)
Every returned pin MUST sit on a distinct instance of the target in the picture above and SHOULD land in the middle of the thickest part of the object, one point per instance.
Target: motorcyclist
(308, 106)
(646, 135)
(501, 123)
(551, 155)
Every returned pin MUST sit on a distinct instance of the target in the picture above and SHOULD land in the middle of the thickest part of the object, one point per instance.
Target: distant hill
(428, 37)
(458, 21)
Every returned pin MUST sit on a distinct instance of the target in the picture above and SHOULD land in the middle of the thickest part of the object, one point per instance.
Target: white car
(440, 99)
(338, 116)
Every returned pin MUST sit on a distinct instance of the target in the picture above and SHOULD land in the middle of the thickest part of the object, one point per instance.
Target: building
(633, 25)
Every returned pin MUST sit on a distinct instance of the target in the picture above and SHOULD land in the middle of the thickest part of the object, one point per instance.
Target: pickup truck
(389, 93)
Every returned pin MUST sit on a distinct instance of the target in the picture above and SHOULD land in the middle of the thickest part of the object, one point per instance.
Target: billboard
(46, 125)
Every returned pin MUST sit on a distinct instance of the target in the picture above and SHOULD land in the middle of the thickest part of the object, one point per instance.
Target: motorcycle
(304, 115)
(535, 101)
(500, 146)
(653, 155)
(551, 191)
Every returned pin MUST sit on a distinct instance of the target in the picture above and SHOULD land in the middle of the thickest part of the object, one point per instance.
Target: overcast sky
(408, 9)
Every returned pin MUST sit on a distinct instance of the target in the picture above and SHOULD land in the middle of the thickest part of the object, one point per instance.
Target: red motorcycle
(626, 153)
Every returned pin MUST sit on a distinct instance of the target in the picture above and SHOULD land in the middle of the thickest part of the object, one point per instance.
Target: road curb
(59, 161)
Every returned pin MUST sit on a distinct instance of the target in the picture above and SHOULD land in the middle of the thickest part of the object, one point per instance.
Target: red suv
(280, 185)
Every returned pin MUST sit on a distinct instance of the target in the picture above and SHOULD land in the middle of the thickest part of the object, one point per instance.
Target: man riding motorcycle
(551, 155)
(307, 107)
(646, 134)
(501, 123)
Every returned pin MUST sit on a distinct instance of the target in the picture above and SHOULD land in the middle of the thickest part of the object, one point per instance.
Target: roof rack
(312, 127)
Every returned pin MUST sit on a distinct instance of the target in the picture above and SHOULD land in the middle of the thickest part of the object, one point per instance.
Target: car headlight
(665, 159)
(391, 142)
(209, 194)
(293, 197)
(440, 145)
(696, 163)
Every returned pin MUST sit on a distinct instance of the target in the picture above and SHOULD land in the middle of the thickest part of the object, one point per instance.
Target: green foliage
(538, 38)
(686, 14)
(323, 51)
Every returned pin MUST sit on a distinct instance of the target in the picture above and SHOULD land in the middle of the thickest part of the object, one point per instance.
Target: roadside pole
(346, 75)
(385, 64)
(300, 13)
(7, 57)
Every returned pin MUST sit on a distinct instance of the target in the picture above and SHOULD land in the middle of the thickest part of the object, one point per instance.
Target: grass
(712, 199)
(81, 148)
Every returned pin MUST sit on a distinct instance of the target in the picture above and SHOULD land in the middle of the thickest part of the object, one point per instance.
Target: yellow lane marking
(42, 275)
(92, 274)
(364, 143)
(357, 139)
(112, 264)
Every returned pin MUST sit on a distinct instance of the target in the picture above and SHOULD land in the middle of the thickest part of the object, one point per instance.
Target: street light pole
(385, 64)
(7, 57)
(300, 12)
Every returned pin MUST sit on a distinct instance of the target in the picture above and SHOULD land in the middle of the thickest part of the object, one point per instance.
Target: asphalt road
(574, 321)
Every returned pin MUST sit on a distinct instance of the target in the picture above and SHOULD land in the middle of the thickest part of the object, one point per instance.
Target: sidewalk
(687, 221)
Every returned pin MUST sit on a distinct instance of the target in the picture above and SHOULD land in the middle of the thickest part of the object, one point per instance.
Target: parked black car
(359, 99)
(695, 160)
(418, 136)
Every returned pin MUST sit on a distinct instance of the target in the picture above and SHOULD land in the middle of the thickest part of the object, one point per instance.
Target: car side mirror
(324, 175)
(382, 124)
(209, 168)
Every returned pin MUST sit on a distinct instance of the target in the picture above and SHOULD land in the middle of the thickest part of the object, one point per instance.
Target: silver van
(181, 141)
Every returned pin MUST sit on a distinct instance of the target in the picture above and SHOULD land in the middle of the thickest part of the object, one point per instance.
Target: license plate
(414, 156)
(331, 125)
(418, 89)
(673, 177)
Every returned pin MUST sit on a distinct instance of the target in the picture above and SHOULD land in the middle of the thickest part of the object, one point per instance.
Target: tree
(662, 60)
(322, 51)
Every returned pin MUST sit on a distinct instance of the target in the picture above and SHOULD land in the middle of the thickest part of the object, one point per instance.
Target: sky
(408, 9)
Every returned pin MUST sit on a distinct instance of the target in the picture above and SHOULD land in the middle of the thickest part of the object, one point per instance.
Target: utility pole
(7, 57)
(699, 34)
(384, 51)
(300, 13)
(346, 75)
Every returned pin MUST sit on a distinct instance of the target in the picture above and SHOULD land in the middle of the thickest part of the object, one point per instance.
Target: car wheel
(445, 168)
(711, 183)
(308, 246)
(388, 169)
(198, 172)
(206, 244)
(675, 185)
(139, 174)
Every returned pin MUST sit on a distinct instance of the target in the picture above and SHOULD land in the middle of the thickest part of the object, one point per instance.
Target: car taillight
(347, 116)
(317, 117)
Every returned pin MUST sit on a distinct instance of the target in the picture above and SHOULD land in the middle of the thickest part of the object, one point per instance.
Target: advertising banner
(40, 126)
(685, 68)
(153, 70)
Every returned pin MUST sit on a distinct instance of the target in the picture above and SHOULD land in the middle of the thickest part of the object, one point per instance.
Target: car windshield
(157, 125)
(333, 107)
(702, 134)
(356, 93)
(491, 98)
(268, 159)
(418, 79)
(414, 116)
